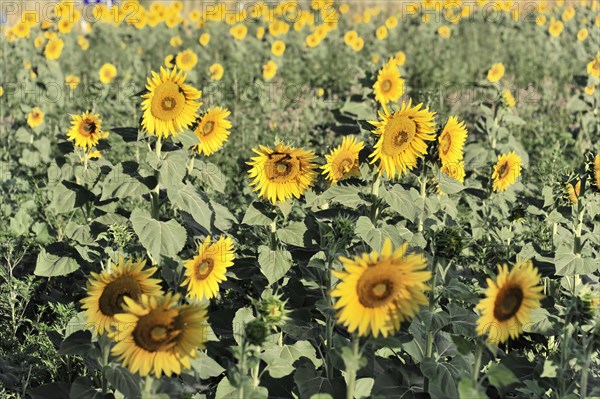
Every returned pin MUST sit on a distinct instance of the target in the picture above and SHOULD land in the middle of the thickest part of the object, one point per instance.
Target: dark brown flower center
(88, 128)
(508, 301)
(204, 268)
(386, 85)
(503, 170)
(446, 143)
(168, 103)
(374, 291)
(208, 128)
(111, 301)
(158, 330)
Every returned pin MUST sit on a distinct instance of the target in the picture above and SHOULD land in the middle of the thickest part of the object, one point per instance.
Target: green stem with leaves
(354, 368)
(155, 195)
(375, 192)
(432, 300)
(423, 192)
(329, 322)
(477, 365)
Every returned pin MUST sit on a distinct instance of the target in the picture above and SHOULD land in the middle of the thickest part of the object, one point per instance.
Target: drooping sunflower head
(158, 336)
(573, 191)
(509, 302)
(86, 130)
(281, 173)
(452, 141)
(206, 271)
(389, 87)
(170, 105)
(377, 292)
(107, 290)
(342, 162)
(506, 171)
(212, 130)
(403, 137)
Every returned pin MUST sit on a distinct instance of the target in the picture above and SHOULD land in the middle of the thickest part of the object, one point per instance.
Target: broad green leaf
(123, 381)
(442, 383)
(550, 369)
(124, 181)
(210, 175)
(568, 263)
(374, 236)
(280, 360)
(345, 195)
(82, 388)
(159, 238)
(401, 201)
(78, 343)
(363, 388)
(206, 367)
(500, 376)
(466, 390)
(242, 317)
(194, 202)
(258, 214)
(55, 260)
(448, 185)
(293, 233)
(274, 264)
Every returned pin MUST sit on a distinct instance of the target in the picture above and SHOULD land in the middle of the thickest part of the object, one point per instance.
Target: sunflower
(72, 81)
(86, 130)
(35, 117)
(582, 34)
(186, 60)
(589, 90)
(506, 171)
(106, 291)
(282, 173)
(377, 292)
(389, 86)
(158, 335)
(169, 106)
(509, 302)
(212, 130)
(451, 141)
(278, 48)
(454, 170)
(573, 191)
(239, 31)
(54, 49)
(402, 138)
(342, 162)
(350, 37)
(400, 58)
(593, 67)
(495, 73)
(509, 99)
(204, 39)
(269, 70)
(107, 73)
(83, 43)
(381, 33)
(206, 271)
(444, 32)
(597, 170)
(216, 71)
(555, 28)
(358, 44)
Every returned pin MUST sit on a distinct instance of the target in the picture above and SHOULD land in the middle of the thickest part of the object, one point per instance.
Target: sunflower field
(300, 199)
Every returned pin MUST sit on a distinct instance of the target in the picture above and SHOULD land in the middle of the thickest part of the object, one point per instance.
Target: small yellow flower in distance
(375, 58)
(358, 44)
(381, 33)
(568, 14)
(506, 171)
(582, 34)
(83, 43)
(239, 31)
(175, 41)
(312, 41)
(72, 81)
(425, 18)
(540, 20)
(39, 41)
(495, 73)
(54, 49)
(65, 26)
(260, 32)
(509, 99)
(344, 8)
(204, 39)
(556, 27)
(278, 48)
(1, 91)
(320, 92)
(593, 67)
(350, 37)
(269, 70)
(107, 73)
(216, 71)
(590, 90)
(597, 170)
(35, 117)
(391, 22)
(186, 60)
(444, 32)
(400, 58)
(169, 61)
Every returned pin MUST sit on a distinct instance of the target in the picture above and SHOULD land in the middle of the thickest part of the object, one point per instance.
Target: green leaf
(206, 367)
(78, 343)
(401, 201)
(55, 260)
(374, 236)
(242, 317)
(67, 196)
(280, 360)
(82, 389)
(159, 238)
(500, 376)
(448, 185)
(343, 194)
(124, 181)
(568, 263)
(550, 369)
(123, 381)
(210, 174)
(257, 214)
(363, 387)
(310, 383)
(193, 201)
(293, 233)
(466, 390)
(442, 383)
(274, 264)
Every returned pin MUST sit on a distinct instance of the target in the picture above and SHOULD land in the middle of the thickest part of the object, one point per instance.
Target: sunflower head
(451, 141)
(597, 170)
(573, 191)
(86, 130)
(377, 292)
(272, 309)
(402, 138)
(495, 73)
(170, 105)
(506, 171)
(35, 117)
(212, 130)
(207, 269)
(186, 60)
(158, 336)
(342, 162)
(509, 302)
(281, 173)
(107, 291)
(389, 87)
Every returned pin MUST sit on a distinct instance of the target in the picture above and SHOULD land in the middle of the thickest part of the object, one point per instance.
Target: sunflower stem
(423, 180)
(155, 195)
(329, 323)
(273, 235)
(190, 165)
(375, 192)
(477, 364)
(432, 300)
(148, 386)
(351, 370)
